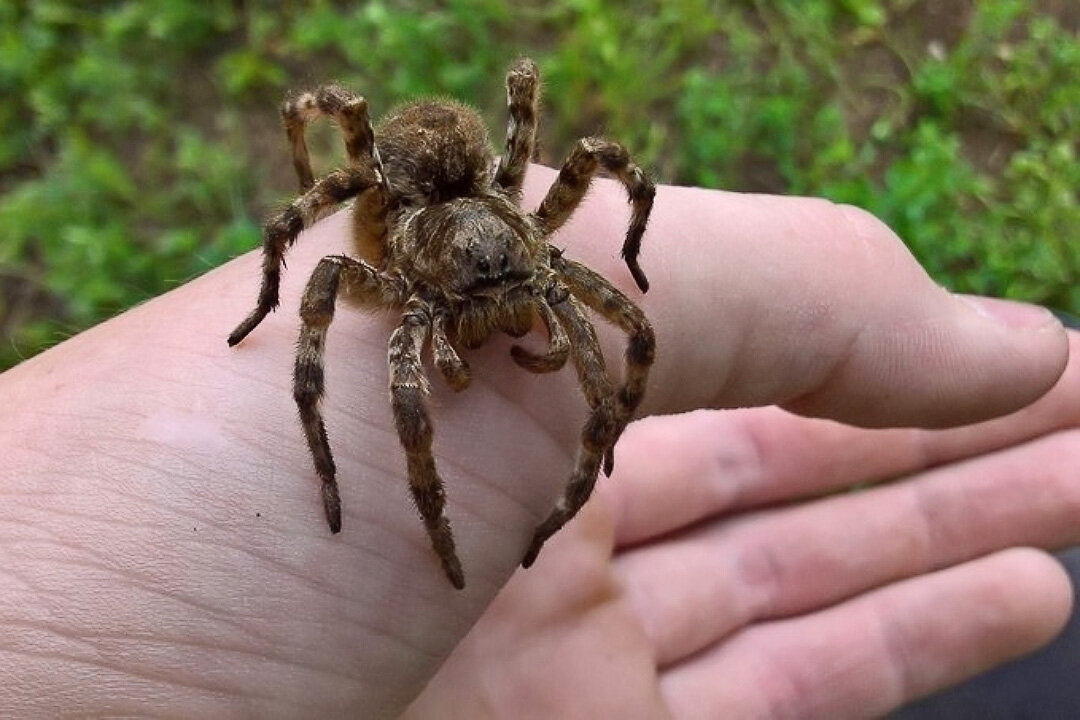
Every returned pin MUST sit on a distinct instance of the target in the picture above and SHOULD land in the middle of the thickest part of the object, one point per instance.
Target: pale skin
(163, 551)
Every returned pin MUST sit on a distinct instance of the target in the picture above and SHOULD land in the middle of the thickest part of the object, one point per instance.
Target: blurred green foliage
(139, 143)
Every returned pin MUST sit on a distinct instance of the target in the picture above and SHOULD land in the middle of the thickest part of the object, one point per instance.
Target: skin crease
(163, 550)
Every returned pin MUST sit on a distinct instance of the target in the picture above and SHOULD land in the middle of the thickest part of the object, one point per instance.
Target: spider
(439, 235)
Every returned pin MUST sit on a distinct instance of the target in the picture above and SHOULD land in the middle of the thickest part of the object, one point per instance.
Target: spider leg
(604, 298)
(558, 341)
(522, 98)
(348, 110)
(453, 368)
(331, 275)
(574, 179)
(282, 230)
(596, 435)
(408, 386)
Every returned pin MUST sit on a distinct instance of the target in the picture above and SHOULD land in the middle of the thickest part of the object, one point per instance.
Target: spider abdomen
(434, 151)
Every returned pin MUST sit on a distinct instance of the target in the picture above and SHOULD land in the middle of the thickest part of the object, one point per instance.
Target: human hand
(725, 570)
(160, 521)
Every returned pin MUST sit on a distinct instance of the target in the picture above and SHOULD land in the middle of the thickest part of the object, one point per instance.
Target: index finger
(760, 300)
(672, 472)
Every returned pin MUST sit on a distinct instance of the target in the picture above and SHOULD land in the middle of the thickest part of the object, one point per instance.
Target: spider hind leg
(522, 99)
(347, 109)
(574, 178)
(281, 232)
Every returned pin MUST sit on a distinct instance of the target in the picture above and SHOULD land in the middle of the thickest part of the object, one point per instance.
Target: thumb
(814, 306)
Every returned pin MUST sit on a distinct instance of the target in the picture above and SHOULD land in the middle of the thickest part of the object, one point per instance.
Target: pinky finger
(870, 655)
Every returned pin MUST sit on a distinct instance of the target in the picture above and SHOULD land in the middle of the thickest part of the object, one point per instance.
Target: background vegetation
(140, 146)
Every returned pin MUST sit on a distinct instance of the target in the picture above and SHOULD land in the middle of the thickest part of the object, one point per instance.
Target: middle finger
(696, 587)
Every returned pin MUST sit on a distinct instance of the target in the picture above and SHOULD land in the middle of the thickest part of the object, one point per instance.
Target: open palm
(160, 521)
(690, 587)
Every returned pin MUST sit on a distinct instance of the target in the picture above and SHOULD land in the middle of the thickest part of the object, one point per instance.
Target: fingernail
(1016, 315)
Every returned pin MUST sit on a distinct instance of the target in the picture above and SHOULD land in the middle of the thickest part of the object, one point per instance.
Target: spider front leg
(522, 99)
(368, 287)
(574, 179)
(604, 298)
(558, 341)
(282, 231)
(454, 370)
(596, 435)
(408, 387)
(348, 110)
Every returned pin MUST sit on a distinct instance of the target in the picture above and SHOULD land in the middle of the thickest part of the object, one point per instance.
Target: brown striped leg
(283, 229)
(363, 283)
(574, 178)
(408, 386)
(603, 298)
(348, 110)
(522, 100)
(453, 368)
(596, 435)
(558, 343)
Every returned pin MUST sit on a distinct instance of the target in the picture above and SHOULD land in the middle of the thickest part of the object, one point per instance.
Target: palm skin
(163, 550)
(706, 580)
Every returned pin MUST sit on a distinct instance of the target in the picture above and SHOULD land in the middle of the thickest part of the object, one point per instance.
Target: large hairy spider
(440, 235)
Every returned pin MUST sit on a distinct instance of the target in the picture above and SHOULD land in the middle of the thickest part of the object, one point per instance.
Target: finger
(768, 300)
(871, 654)
(702, 585)
(676, 470)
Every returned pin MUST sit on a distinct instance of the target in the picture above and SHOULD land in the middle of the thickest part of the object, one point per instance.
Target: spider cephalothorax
(440, 235)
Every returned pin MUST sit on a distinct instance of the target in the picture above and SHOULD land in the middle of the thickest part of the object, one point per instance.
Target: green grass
(139, 143)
